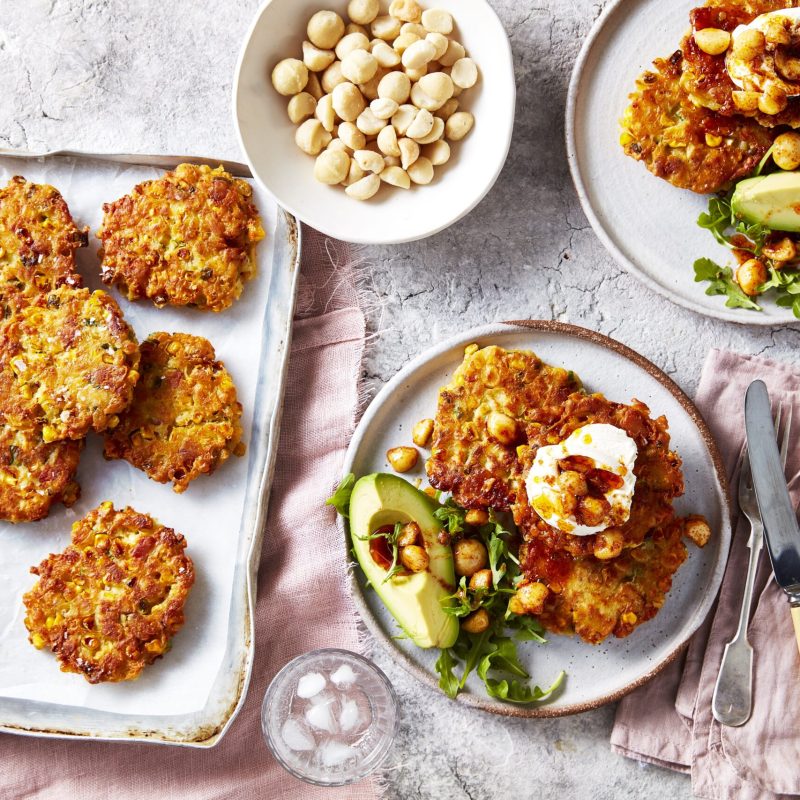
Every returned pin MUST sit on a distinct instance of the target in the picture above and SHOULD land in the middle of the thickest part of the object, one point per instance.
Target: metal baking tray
(253, 338)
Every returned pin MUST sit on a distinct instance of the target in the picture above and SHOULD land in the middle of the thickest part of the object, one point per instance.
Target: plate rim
(743, 317)
(485, 332)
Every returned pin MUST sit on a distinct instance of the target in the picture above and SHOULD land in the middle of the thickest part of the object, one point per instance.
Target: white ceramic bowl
(393, 215)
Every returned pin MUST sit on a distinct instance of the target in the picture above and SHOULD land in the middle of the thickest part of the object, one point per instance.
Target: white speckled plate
(646, 224)
(595, 674)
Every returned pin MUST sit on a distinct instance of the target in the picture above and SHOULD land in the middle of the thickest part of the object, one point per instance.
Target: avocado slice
(415, 600)
(771, 200)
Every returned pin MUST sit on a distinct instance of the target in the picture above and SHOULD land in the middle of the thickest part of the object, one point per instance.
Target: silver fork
(732, 702)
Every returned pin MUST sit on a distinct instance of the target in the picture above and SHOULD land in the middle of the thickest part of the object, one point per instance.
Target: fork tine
(786, 433)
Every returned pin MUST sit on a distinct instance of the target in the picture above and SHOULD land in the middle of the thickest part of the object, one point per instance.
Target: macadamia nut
(325, 29)
(311, 137)
(375, 96)
(348, 102)
(301, 107)
(362, 12)
(290, 76)
(331, 166)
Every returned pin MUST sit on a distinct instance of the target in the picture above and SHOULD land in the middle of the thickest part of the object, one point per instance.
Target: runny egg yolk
(584, 484)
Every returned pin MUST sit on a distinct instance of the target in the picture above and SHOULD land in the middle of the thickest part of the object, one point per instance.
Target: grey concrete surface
(156, 76)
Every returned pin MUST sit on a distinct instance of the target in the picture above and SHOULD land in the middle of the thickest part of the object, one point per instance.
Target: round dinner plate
(595, 674)
(648, 225)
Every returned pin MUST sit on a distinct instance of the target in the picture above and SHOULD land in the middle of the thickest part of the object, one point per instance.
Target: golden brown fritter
(184, 419)
(188, 238)
(689, 146)
(34, 475)
(110, 603)
(658, 475)
(595, 598)
(705, 78)
(68, 364)
(481, 419)
(38, 240)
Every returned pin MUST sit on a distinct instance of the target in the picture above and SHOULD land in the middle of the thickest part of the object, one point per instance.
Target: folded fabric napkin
(669, 721)
(302, 601)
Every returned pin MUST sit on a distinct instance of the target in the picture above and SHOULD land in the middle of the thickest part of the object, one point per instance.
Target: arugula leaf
(717, 219)
(340, 499)
(475, 653)
(391, 538)
(497, 543)
(721, 281)
(502, 657)
(451, 516)
(528, 628)
(515, 692)
(448, 682)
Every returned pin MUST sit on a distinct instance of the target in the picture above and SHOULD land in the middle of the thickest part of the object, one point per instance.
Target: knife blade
(782, 532)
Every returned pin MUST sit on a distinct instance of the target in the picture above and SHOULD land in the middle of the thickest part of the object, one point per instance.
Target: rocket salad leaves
(737, 234)
(492, 654)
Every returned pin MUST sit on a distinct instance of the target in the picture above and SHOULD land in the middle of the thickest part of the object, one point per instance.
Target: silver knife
(782, 532)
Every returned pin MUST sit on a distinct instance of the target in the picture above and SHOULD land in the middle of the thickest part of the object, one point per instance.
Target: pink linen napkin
(302, 600)
(669, 721)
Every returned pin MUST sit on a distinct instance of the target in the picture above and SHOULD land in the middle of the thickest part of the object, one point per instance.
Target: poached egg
(777, 65)
(610, 449)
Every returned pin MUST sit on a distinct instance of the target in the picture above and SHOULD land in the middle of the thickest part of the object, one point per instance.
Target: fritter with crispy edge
(35, 475)
(188, 238)
(691, 147)
(68, 363)
(705, 77)
(38, 240)
(481, 419)
(184, 419)
(658, 477)
(595, 598)
(110, 603)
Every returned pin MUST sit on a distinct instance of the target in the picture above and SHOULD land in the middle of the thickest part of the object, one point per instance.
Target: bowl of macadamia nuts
(376, 121)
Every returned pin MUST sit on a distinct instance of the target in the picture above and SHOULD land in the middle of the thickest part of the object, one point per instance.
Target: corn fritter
(68, 363)
(481, 419)
(185, 419)
(188, 238)
(38, 240)
(109, 604)
(34, 474)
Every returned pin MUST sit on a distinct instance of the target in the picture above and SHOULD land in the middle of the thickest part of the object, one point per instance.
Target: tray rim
(289, 235)
(742, 317)
(546, 326)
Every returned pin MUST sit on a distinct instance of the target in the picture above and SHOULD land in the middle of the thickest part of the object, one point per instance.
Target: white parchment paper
(209, 513)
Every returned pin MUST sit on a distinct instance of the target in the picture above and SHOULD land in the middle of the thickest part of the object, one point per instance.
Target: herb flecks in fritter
(188, 238)
(185, 419)
(68, 364)
(110, 603)
(481, 420)
(38, 240)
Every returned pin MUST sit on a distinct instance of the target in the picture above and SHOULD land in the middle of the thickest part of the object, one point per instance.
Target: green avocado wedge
(770, 200)
(414, 600)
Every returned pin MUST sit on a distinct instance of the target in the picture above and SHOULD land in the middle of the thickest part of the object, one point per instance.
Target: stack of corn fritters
(499, 408)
